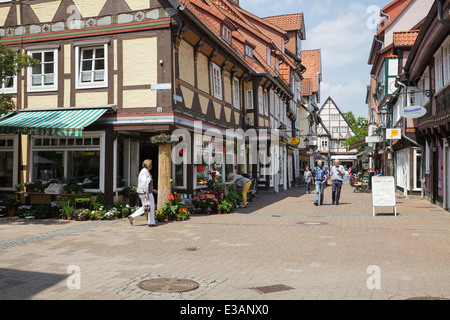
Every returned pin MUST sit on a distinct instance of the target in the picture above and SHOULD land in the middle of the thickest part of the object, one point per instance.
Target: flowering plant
(206, 200)
(81, 214)
(183, 213)
(25, 210)
(171, 207)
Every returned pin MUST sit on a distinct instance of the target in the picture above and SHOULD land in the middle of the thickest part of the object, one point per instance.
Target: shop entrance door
(435, 176)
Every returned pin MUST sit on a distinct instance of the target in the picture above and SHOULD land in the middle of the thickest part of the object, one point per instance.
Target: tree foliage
(360, 127)
(11, 63)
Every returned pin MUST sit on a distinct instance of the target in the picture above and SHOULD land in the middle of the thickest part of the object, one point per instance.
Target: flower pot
(69, 218)
(219, 212)
(30, 217)
(11, 212)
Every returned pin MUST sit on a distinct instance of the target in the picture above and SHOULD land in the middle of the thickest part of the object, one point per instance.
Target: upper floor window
(43, 77)
(226, 34)
(236, 94)
(344, 129)
(9, 85)
(217, 81)
(249, 51)
(92, 67)
(249, 99)
(268, 54)
(277, 64)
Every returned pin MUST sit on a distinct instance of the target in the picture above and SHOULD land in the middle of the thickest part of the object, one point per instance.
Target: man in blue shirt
(337, 175)
(320, 175)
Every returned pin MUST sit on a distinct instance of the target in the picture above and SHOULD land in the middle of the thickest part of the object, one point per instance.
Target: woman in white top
(145, 191)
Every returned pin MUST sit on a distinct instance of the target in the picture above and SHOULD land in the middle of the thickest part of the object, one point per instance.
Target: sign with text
(373, 139)
(383, 193)
(394, 134)
(413, 112)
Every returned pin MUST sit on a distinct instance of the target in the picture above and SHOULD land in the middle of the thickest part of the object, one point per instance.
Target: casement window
(335, 130)
(9, 85)
(266, 103)
(217, 81)
(282, 45)
(277, 64)
(446, 59)
(268, 55)
(236, 94)
(249, 51)
(226, 34)
(324, 142)
(332, 144)
(92, 67)
(9, 158)
(249, 99)
(343, 129)
(438, 67)
(261, 100)
(43, 77)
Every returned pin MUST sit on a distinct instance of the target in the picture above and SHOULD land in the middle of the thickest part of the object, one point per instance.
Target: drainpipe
(441, 13)
(422, 148)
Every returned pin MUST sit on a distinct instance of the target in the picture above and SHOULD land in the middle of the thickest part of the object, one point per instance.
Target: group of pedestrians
(318, 177)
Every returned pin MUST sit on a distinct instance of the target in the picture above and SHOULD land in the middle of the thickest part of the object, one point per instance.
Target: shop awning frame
(53, 122)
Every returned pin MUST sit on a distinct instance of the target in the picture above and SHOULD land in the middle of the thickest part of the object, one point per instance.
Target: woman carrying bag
(145, 191)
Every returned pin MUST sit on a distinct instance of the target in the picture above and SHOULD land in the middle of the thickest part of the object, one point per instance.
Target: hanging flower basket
(161, 139)
(200, 168)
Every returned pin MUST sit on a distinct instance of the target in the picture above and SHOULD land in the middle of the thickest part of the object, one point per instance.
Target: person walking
(145, 191)
(244, 183)
(337, 173)
(308, 178)
(320, 174)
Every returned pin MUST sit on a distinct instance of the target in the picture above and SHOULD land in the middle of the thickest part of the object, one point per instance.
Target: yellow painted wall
(85, 99)
(45, 11)
(3, 15)
(89, 8)
(202, 73)
(227, 87)
(138, 4)
(67, 58)
(186, 62)
(203, 103)
(188, 97)
(140, 65)
(67, 90)
(139, 98)
(47, 101)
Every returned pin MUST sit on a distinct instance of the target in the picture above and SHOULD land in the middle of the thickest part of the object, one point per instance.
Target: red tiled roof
(405, 38)
(311, 60)
(286, 22)
(393, 9)
(306, 87)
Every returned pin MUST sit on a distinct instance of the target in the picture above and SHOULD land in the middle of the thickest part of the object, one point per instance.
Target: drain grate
(312, 223)
(169, 285)
(427, 298)
(271, 289)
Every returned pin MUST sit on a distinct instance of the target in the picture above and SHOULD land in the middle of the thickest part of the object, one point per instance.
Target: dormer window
(226, 34)
(249, 51)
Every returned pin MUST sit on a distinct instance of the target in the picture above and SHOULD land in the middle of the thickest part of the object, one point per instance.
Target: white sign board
(383, 193)
(413, 112)
(161, 86)
(373, 139)
(394, 134)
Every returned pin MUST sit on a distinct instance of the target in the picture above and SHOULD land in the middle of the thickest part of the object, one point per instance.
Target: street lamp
(383, 115)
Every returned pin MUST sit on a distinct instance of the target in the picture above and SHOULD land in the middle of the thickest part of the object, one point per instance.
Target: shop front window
(6, 169)
(48, 165)
(84, 167)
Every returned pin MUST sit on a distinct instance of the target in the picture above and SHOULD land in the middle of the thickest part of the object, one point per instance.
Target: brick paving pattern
(324, 252)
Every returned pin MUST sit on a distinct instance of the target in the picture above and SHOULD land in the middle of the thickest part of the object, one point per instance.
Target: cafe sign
(413, 112)
(294, 141)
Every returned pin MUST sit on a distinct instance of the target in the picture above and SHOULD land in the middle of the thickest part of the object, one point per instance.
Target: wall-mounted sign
(373, 139)
(394, 134)
(413, 112)
(161, 86)
(294, 141)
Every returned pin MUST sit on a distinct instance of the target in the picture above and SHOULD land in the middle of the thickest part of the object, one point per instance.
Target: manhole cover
(427, 298)
(274, 288)
(168, 285)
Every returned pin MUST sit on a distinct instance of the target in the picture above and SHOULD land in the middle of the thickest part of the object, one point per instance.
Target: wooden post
(164, 173)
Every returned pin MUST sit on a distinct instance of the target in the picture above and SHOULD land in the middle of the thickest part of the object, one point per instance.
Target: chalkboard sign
(383, 193)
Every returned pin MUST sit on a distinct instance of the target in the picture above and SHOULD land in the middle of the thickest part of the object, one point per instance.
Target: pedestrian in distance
(308, 178)
(337, 173)
(320, 175)
(244, 183)
(145, 191)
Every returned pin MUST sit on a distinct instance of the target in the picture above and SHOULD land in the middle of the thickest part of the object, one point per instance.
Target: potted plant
(29, 214)
(29, 186)
(130, 195)
(25, 211)
(66, 209)
(182, 214)
(18, 187)
(81, 214)
(11, 204)
(43, 211)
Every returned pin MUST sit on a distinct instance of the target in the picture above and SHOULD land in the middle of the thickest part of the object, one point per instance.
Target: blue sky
(342, 30)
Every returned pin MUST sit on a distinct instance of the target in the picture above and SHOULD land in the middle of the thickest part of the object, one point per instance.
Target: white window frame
(101, 147)
(236, 93)
(184, 186)
(438, 70)
(15, 151)
(226, 34)
(446, 60)
(417, 152)
(324, 142)
(217, 81)
(12, 90)
(249, 51)
(43, 87)
(249, 99)
(90, 85)
(268, 55)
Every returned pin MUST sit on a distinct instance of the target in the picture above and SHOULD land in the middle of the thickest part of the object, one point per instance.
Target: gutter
(441, 13)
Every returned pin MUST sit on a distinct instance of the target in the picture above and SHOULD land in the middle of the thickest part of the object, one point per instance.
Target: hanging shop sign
(413, 112)
(294, 141)
(393, 134)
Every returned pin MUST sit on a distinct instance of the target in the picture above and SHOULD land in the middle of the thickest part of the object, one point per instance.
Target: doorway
(435, 182)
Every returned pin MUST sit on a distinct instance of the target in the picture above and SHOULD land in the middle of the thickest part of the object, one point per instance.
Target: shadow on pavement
(22, 285)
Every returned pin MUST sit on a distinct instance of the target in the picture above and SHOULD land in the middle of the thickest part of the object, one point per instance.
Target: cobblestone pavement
(321, 253)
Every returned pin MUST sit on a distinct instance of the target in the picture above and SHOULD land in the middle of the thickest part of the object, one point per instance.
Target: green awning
(64, 122)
